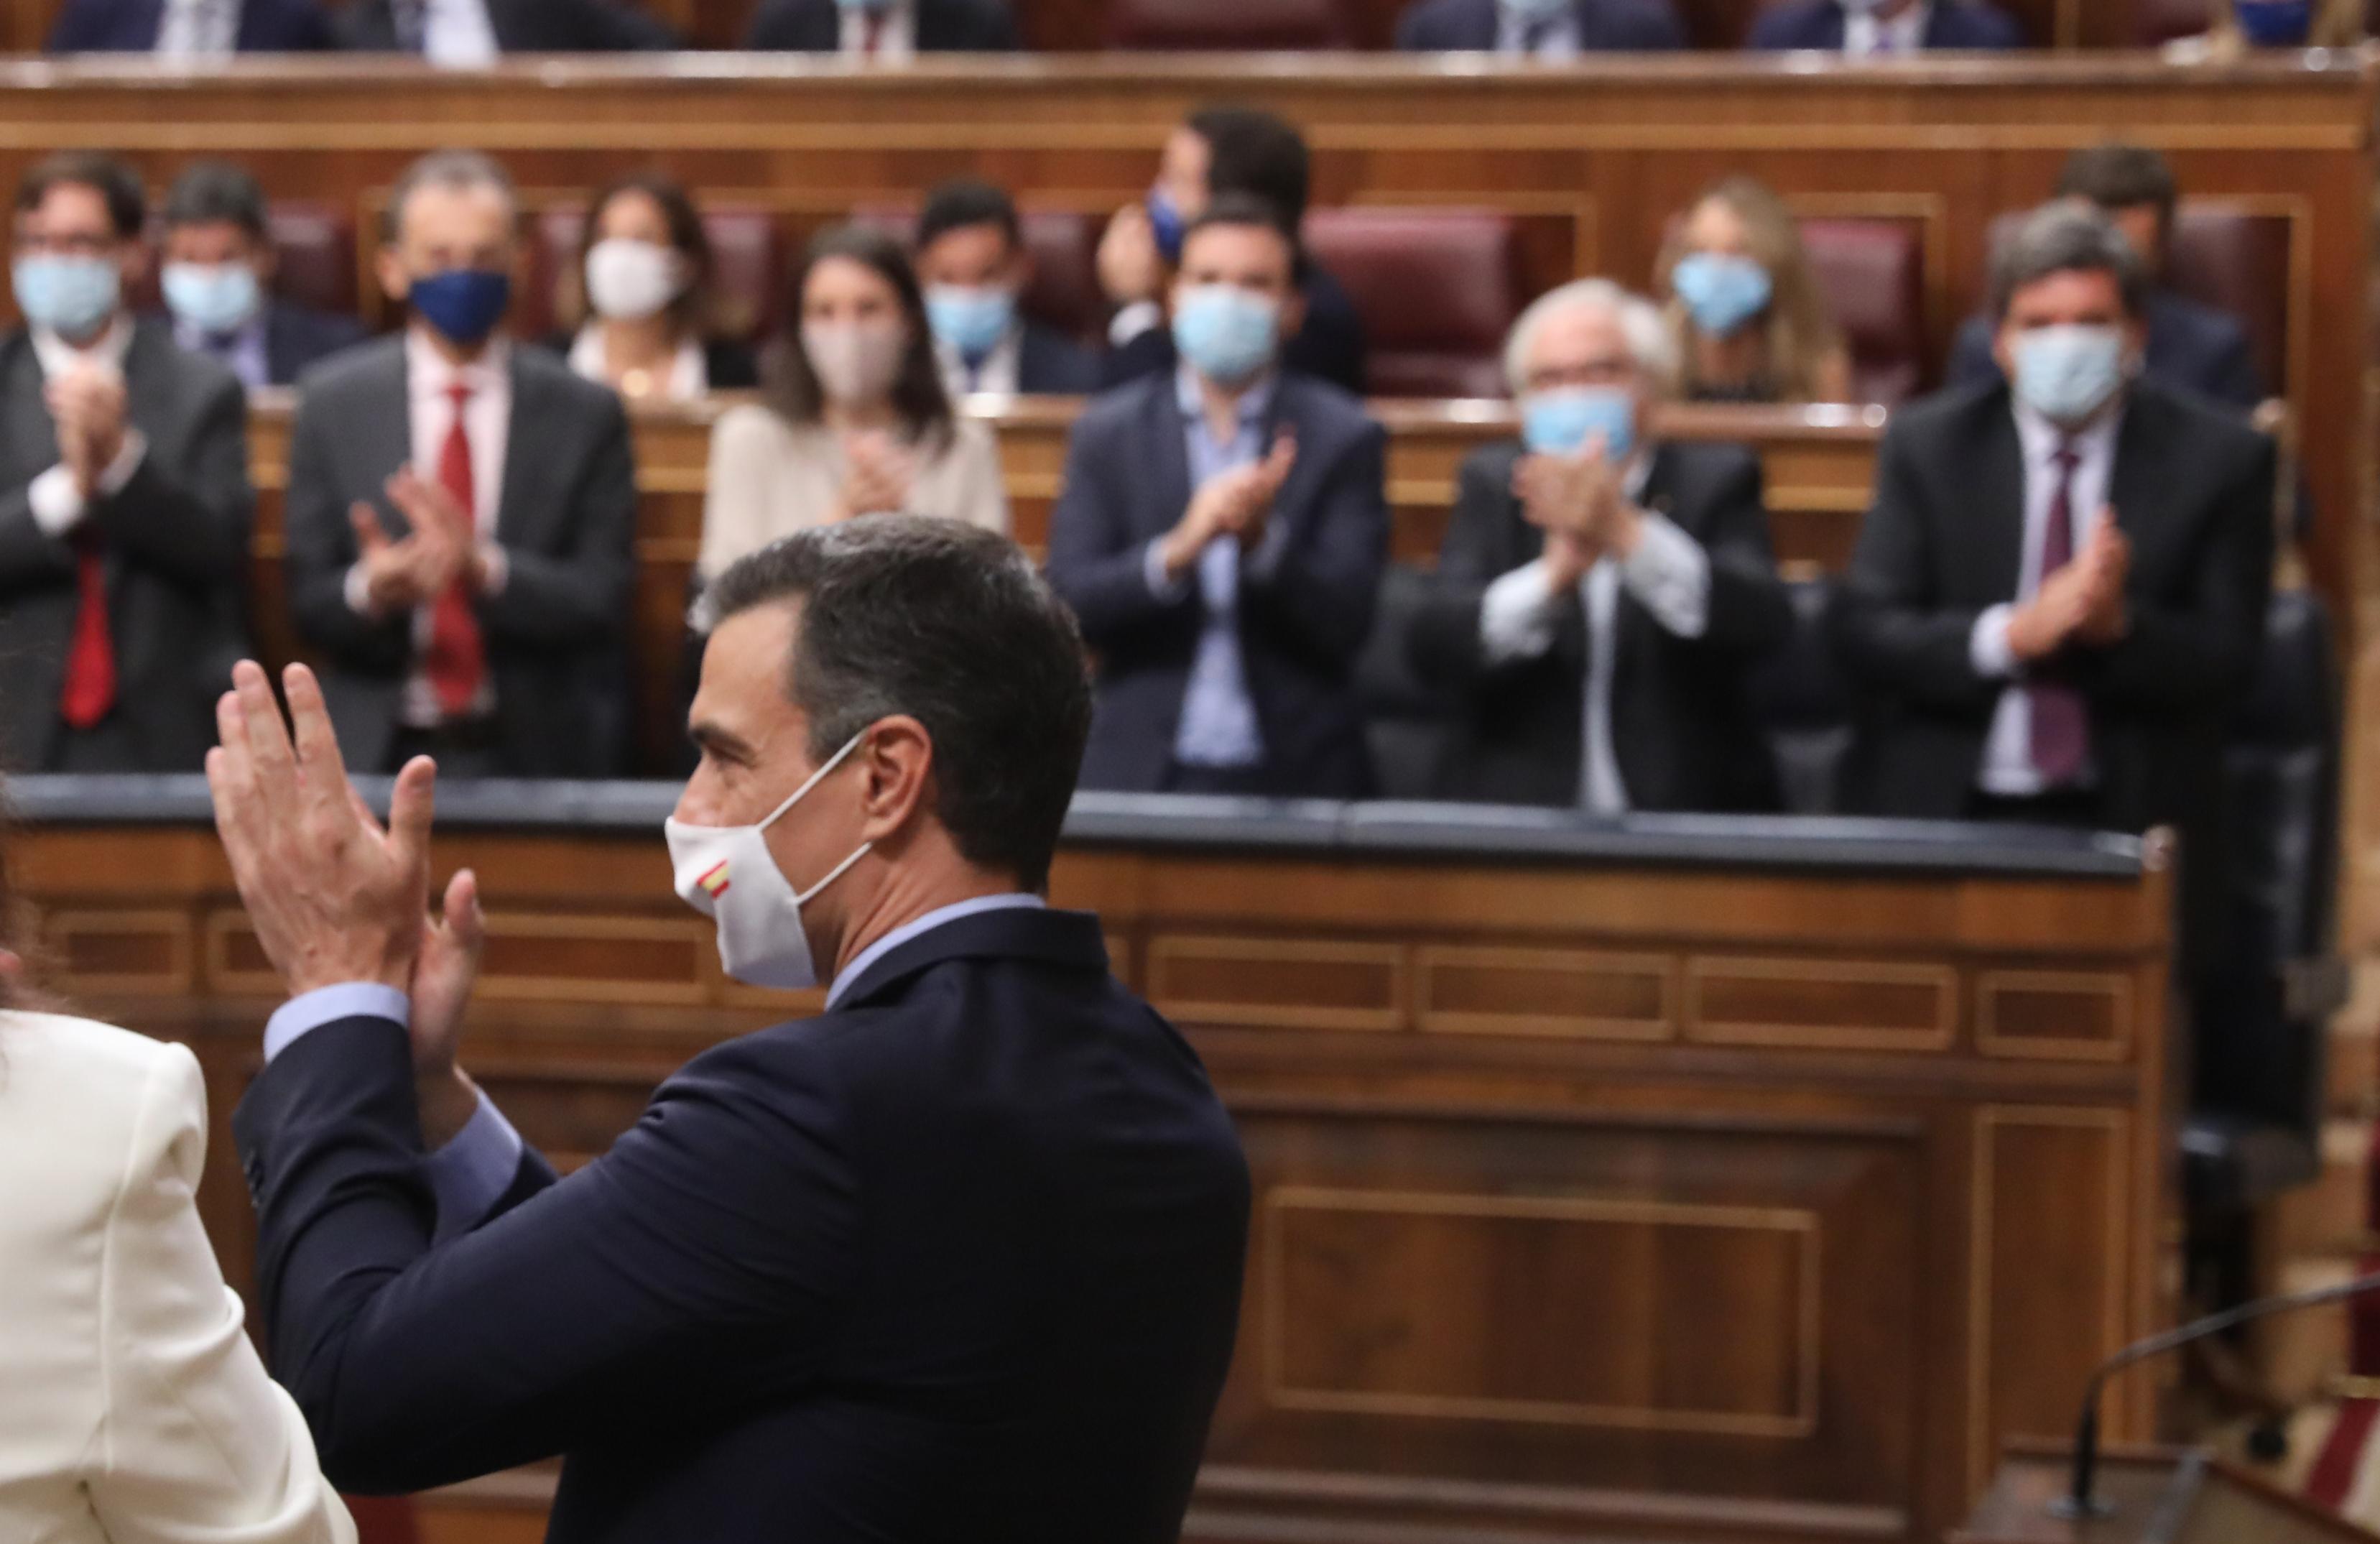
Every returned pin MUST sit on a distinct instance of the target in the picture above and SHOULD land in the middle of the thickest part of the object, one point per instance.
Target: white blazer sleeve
(196, 1445)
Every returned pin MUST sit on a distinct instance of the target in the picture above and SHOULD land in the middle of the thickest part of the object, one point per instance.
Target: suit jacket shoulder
(1648, 25)
(538, 373)
(797, 26)
(965, 26)
(1324, 413)
(1804, 24)
(1434, 25)
(2195, 428)
(370, 369)
(1972, 24)
(189, 378)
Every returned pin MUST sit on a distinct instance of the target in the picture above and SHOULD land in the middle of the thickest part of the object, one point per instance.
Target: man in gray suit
(124, 498)
(460, 514)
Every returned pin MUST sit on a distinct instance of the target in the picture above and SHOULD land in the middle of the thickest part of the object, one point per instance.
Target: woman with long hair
(1745, 310)
(638, 306)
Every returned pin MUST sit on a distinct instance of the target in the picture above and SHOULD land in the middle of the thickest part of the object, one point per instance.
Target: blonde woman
(1744, 309)
(2238, 27)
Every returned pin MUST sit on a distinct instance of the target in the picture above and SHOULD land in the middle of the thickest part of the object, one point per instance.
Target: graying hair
(1640, 323)
(2065, 237)
(457, 169)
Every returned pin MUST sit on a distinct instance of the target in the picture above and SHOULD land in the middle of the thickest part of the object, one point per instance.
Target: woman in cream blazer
(133, 1409)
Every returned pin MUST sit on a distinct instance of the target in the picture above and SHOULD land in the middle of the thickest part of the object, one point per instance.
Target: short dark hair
(2118, 176)
(444, 168)
(918, 393)
(1255, 153)
(216, 192)
(1241, 210)
(127, 205)
(951, 625)
(2061, 238)
(966, 202)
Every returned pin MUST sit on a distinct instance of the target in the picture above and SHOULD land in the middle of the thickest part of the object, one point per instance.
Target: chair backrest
(1229, 25)
(1807, 707)
(747, 253)
(1873, 272)
(1437, 289)
(315, 246)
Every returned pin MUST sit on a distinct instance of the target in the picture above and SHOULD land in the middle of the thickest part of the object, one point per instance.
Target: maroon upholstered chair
(1873, 273)
(383, 1519)
(1229, 25)
(1438, 289)
(316, 246)
(747, 255)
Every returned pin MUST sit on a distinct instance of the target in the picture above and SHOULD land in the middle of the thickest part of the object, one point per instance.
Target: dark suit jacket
(176, 539)
(1329, 348)
(525, 26)
(554, 633)
(1304, 609)
(1048, 363)
(943, 27)
(2195, 347)
(1682, 726)
(1820, 24)
(1445, 25)
(296, 339)
(130, 27)
(959, 1260)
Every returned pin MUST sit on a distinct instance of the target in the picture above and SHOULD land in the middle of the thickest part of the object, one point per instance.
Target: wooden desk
(1722, 1179)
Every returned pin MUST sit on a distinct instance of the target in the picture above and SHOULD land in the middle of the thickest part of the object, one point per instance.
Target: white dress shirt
(198, 30)
(689, 377)
(55, 502)
(1669, 575)
(457, 34)
(2008, 770)
(896, 38)
(1866, 34)
(997, 375)
(1556, 38)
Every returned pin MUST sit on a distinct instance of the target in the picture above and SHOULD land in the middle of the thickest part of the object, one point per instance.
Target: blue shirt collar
(1255, 404)
(919, 927)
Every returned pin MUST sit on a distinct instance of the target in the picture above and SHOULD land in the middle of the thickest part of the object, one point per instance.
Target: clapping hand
(88, 404)
(1236, 504)
(401, 574)
(2082, 601)
(882, 475)
(1578, 502)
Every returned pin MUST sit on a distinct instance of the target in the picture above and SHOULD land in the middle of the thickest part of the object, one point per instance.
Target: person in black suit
(1867, 28)
(125, 506)
(959, 1256)
(218, 282)
(1600, 598)
(884, 28)
(189, 30)
(1539, 28)
(2059, 593)
(974, 262)
(1221, 151)
(469, 33)
(1222, 533)
(2190, 345)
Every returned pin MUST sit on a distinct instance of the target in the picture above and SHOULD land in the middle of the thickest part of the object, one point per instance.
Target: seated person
(218, 282)
(1601, 596)
(2239, 26)
(461, 514)
(856, 420)
(1538, 28)
(1747, 318)
(638, 306)
(1864, 28)
(2190, 345)
(124, 504)
(975, 265)
(191, 29)
(1220, 150)
(1221, 535)
(890, 29)
(463, 34)
(2059, 593)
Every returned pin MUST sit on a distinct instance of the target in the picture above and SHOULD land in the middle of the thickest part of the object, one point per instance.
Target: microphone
(2079, 1503)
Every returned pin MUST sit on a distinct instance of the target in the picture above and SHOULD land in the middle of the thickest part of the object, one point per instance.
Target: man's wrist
(446, 1100)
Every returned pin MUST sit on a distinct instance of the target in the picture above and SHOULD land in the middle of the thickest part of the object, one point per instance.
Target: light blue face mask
(1228, 335)
(72, 297)
(1561, 422)
(970, 322)
(2067, 374)
(1722, 293)
(214, 298)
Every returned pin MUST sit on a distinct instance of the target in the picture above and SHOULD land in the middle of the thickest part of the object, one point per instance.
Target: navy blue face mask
(462, 304)
(2275, 23)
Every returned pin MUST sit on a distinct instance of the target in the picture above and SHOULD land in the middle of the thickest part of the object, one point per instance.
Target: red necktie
(87, 689)
(458, 661)
(2062, 724)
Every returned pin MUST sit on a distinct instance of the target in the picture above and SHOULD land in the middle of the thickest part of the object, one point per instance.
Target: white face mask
(728, 874)
(855, 362)
(628, 281)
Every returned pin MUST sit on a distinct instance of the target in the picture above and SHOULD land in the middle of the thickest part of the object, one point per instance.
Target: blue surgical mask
(213, 297)
(1561, 422)
(970, 322)
(1228, 335)
(2067, 374)
(462, 304)
(2275, 23)
(1165, 222)
(70, 296)
(1722, 293)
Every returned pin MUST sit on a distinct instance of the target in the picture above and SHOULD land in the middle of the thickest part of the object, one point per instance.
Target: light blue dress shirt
(1554, 38)
(242, 353)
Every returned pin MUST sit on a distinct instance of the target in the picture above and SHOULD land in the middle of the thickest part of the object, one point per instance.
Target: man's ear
(1293, 314)
(897, 761)
(134, 264)
(394, 282)
(2003, 351)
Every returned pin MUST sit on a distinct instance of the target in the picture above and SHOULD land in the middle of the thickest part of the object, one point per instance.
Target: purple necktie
(2062, 724)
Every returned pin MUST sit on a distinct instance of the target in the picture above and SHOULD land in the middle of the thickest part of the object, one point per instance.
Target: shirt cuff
(358, 590)
(1152, 570)
(1669, 574)
(302, 1016)
(470, 1175)
(119, 471)
(1515, 615)
(494, 568)
(1141, 316)
(1988, 645)
(56, 503)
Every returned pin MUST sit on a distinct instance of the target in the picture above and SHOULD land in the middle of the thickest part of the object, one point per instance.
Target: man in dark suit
(1221, 151)
(959, 1258)
(1221, 534)
(124, 504)
(218, 282)
(1600, 598)
(191, 29)
(2189, 346)
(884, 28)
(470, 32)
(2060, 591)
(460, 513)
(1882, 28)
(975, 265)
(1539, 28)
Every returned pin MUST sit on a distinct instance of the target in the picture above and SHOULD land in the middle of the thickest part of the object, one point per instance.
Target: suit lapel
(527, 429)
(1169, 468)
(32, 436)
(384, 441)
(1994, 543)
(147, 18)
(2136, 484)
(148, 394)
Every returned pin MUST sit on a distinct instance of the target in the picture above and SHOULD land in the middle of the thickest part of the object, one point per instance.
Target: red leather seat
(1438, 289)
(1229, 26)
(1065, 246)
(748, 254)
(316, 247)
(383, 1519)
(1873, 273)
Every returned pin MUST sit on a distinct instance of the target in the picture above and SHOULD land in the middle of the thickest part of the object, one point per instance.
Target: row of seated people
(469, 33)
